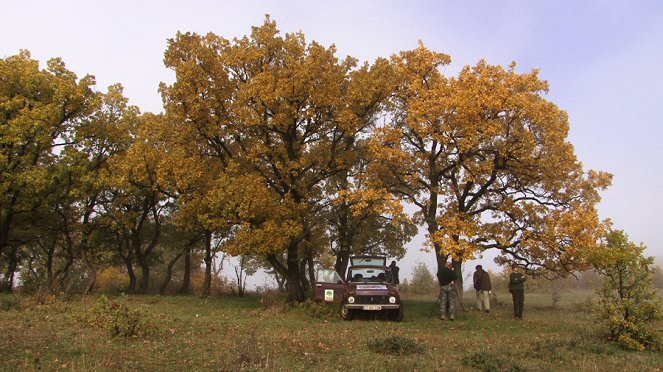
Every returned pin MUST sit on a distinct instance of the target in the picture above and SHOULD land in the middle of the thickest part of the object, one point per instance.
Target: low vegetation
(254, 333)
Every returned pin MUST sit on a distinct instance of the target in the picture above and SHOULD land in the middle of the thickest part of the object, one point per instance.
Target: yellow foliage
(111, 280)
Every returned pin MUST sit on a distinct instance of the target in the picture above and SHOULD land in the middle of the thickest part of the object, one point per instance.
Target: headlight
(351, 300)
(392, 300)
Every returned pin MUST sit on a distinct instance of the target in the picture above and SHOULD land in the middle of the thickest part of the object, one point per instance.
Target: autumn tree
(38, 108)
(362, 220)
(275, 112)
(84, 178)
(136, 205)
(485, 159)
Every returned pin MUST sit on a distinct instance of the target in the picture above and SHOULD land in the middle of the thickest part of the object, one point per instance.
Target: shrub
(317, 309)
(627, 304)
(395, 345)
(274, 300)
(8, 302)
(116, 317)
(484, 361)
(111, 280)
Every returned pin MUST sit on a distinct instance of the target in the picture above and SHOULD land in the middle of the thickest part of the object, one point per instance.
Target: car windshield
(369, 274)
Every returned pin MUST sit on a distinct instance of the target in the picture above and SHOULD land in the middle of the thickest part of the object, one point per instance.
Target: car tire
(346, 314)
(397, 315)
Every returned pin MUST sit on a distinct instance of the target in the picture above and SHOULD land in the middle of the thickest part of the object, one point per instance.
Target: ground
(246, 333)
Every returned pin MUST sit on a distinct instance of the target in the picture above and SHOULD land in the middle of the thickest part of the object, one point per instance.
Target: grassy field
(190, 333)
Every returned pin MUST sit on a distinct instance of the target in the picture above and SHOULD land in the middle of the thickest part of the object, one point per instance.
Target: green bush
(317, 309)
(8, 302)
(627, 304)
(490, 362)
(395, 345)
(116, 317)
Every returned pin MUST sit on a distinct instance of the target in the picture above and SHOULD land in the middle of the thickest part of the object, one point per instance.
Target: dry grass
(241, 334)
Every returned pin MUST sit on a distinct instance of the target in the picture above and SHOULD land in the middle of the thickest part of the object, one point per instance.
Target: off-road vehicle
(368, 287)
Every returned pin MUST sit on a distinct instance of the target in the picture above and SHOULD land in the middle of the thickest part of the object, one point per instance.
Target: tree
(422, 281)
(485, 159)
(83, 172)
(275, 113)
(362, 220)
(38, 108)
(136, 206)
(627, 302)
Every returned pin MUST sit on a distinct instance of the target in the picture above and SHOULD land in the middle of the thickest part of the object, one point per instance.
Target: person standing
(517, 289)
(394, 272)
(447, 278)
(483, 287)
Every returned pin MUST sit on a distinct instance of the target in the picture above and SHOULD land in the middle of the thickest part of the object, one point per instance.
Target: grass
(239, 334)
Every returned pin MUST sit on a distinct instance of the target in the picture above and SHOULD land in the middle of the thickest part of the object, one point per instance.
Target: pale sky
(603, 60)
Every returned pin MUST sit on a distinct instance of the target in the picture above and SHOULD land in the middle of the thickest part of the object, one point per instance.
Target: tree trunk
(458, 265)
(130, 272)
(207, 285)
(144, 283)
(12, 263)
(169, 273)
(92, 272)
(311, 270)
(186, 280)
(341, 264)
(239, 272)
(294, 284)
(344, 241)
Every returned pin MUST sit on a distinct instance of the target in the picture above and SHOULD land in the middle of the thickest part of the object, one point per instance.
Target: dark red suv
(368, 287)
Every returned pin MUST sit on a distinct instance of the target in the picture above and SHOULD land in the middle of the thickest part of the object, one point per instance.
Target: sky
(601, 58)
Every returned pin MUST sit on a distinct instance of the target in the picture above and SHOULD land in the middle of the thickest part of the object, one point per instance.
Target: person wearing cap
(517, 290)
(447, 277)
(482, 286)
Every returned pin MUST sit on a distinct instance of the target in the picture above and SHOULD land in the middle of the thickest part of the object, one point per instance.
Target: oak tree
(486, 160)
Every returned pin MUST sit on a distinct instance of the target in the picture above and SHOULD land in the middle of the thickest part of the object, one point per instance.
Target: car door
(329, 287)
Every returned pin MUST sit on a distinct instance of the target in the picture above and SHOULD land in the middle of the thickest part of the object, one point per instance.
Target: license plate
(372, 307)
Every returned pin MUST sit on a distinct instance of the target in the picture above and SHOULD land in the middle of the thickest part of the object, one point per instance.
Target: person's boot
(443, 317)
(451, 317)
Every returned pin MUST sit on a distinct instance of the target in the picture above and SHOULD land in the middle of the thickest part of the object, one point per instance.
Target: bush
(317, 309)
(395, 345)
(274, 301)
(485, 361)
(627, 304)
(116, 317)
(8, 302)
(111, 280)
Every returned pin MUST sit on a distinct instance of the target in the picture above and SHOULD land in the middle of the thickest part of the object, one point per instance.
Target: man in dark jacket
(447, 277)
(483, 287)
(394, 272)
(517, 289)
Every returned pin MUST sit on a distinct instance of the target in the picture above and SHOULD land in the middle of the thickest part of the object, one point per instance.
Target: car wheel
(346, 314)
(396, 315)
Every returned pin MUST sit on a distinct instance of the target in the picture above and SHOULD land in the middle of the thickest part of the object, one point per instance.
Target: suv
(368, 287)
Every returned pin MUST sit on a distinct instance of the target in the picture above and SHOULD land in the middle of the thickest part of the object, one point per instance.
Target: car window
(368, 261)
(328, 276)
(368, 275)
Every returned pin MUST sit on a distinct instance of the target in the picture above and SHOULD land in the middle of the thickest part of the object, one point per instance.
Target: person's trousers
(447, 298)
(483, 300)
(518, 302)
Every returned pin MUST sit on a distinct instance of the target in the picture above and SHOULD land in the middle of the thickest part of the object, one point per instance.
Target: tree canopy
(273, 149)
